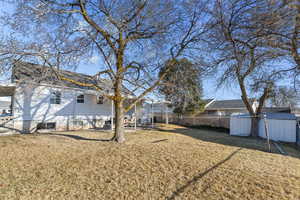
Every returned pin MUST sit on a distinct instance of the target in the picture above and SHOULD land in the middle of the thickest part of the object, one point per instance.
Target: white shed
(240, 124)
(281, 126)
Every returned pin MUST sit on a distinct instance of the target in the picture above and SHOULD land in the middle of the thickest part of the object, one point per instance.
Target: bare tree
(239, 44)
(281, 20)
(283, 96)
(133, 37)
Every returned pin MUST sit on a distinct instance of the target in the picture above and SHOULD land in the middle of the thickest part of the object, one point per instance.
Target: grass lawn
(171, 163)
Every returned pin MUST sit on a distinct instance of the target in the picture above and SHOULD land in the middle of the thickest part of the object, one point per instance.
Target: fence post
(298, 133)
(267, 132)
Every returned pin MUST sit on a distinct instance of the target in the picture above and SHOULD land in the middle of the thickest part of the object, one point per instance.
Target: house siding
(32, 106)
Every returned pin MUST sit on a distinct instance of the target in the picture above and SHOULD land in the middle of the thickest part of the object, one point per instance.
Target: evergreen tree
(182, 86)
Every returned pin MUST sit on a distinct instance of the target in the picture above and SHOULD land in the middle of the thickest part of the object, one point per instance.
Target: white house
(227, 107)
(4, 108)
(40, 100)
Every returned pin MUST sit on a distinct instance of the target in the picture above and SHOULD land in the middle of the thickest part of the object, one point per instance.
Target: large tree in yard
(239, 42)
(182, 86)
(132, 38)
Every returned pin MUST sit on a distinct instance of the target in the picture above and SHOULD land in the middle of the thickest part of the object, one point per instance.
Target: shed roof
(278, 116)
(285, 116)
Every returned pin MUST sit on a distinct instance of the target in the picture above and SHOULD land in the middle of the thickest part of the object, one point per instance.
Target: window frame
(80, 98)
(55, 97)
(79, 123)
(46, 126)
(100, 100)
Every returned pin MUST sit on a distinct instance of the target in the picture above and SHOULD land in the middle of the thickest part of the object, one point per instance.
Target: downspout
(74, 108)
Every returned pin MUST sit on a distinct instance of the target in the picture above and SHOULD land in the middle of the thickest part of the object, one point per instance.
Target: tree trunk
(119, 124)
(119, 99)
(119, 112)
(254, 126)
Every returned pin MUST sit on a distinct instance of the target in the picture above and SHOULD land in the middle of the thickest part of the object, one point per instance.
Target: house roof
(276, 109)
(227, 104)
(24, 71)
(7, 90)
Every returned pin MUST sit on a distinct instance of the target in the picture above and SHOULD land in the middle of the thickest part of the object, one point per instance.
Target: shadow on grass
(222, 137)
(157, 141)
(199, 176)
(76, 137)
(210, 128)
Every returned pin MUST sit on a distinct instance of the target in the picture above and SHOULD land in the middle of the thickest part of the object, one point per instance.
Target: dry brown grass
(176, 163)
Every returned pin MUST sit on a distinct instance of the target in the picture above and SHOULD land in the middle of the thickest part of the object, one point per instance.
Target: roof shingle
(24, 71)
(228, 104)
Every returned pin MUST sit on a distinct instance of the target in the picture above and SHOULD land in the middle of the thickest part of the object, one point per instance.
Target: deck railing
(5, 119)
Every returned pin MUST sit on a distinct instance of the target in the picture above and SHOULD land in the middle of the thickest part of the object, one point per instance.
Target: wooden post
(298, 133)
(152, 118)
(112, 115)
(267, 132)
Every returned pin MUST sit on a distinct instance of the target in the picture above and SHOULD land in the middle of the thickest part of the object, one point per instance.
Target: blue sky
(209, 83)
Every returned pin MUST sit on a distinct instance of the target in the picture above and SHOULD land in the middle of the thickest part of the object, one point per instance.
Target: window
(78, 123)
(80, 98)
(100, 100)
(49, 125)
(55, 97)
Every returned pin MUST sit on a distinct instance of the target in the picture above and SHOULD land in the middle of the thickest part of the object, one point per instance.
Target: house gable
(234, 104)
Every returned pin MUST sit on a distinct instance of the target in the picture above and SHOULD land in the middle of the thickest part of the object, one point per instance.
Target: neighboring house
(226, 107)
(212, 107)
(5, 108)
(40, 100)
(290, 109)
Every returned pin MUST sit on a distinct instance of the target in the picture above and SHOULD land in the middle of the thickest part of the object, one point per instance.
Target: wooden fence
(205, 120)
